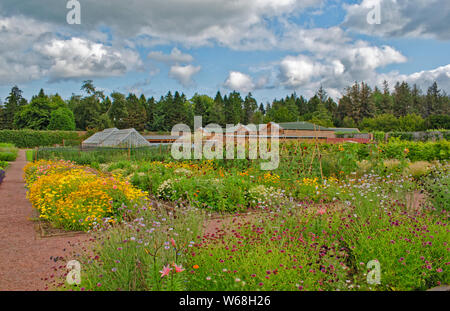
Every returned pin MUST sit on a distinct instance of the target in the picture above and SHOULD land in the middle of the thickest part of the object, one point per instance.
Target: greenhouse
(113, 137)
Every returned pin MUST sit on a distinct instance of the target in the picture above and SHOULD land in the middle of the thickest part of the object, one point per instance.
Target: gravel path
(24, 256)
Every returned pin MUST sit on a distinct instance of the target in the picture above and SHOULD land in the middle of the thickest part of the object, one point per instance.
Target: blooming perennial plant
(75, 197)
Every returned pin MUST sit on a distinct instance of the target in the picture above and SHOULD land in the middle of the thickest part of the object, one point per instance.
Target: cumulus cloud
(17, 63)
(336, 68)
(30, 51)
(423, 79)
(175, 57)
(77, 58)
(237, 24)
(299, 70)
(412, 18)
(239, 81)
(37, 42)
(184, 74)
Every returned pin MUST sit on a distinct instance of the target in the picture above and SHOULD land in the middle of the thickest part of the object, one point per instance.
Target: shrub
(31, 138)
(415, 151)
(7, 156)
(62, 119)
(8, 152)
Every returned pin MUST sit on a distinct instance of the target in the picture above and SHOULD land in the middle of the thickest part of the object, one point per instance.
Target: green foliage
(411, 122)
(14, 102)
(437, 185)
(4, 164)
(441, 121)
(8, 152)
(31, 138)
(29, 155)
(383, 122)
(405, 109)
(103, 154)
(62, 119)
(37, 114)
(415, 151)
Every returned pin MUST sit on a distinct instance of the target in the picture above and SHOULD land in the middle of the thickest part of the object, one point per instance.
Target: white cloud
(423, 79)
(239, 81)
(184, 74)
(175, 57)
(17, 63)
(78, 58)
(329, 57)
(30, 50)
(412, 18)
(240, 24)
(299, 70)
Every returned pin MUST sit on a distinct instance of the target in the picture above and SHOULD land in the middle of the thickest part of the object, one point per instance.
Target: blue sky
(269, 48)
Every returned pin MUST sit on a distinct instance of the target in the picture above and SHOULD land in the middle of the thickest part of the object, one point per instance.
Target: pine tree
(402, 99)
(250, 106)
(14, 102)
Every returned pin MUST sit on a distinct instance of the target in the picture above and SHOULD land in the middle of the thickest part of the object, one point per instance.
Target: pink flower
(439, 270)
(178, 268)
(321, 211)
(173, 242)
(165, 271)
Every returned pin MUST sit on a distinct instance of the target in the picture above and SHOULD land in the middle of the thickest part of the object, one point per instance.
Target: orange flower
(195, 267)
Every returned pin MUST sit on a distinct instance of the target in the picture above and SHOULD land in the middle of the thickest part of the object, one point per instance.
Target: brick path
(24, 256)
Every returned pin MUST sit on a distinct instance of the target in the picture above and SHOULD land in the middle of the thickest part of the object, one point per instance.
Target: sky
(270, 48)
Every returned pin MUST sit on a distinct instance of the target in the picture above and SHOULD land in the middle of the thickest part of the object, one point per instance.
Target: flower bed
(2, 175)
(74, 197)
(3, 166)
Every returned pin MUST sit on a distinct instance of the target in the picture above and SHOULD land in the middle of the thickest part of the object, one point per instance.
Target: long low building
(302, 131)
(286, 130)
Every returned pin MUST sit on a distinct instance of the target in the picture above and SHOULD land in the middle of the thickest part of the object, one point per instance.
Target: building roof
(161, 137)
(302, 125)
(99, 137)
(344, 129)
(114, 137)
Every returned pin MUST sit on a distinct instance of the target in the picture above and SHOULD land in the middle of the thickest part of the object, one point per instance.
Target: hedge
(415, 151)
(32, 138)
(421, 136)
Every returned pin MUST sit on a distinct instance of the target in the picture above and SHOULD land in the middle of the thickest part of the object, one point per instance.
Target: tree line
(405, 108)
